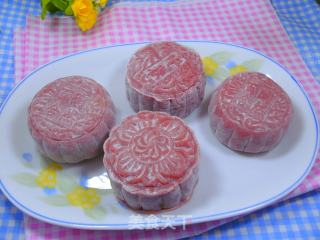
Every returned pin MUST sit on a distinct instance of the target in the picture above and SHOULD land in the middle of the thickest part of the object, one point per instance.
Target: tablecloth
(7, 73)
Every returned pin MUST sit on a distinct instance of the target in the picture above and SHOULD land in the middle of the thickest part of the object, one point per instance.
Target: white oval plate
(230, 183)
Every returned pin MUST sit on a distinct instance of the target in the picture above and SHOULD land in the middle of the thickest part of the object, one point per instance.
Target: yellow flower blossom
(237, 69)
(103, 3)
(83, 197)
(209, 66)
(85, 13)
(47, 177)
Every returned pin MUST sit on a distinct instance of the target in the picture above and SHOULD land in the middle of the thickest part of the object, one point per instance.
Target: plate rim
(194, 220)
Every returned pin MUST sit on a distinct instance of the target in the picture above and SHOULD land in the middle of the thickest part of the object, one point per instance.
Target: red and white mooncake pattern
(167, 77)
(70, 119)
(249, 112)
(152, 161)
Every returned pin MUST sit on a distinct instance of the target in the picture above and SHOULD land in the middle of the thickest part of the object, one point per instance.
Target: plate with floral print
(230, 183)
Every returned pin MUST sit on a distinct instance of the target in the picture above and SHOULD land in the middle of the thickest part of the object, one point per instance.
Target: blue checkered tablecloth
(301, 19)
(298, 218)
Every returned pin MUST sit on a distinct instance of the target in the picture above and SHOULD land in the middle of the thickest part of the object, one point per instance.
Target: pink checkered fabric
(37, 230)
(249, 23)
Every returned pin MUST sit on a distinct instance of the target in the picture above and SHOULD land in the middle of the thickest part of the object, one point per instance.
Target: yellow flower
(85, 13)
(103, 3)
(47, 177)
(237, 69)
(83, 197)
(54, 166)
(209, 66)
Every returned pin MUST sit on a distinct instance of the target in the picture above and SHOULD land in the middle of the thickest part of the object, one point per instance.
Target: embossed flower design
(151, 150)
(150, 145)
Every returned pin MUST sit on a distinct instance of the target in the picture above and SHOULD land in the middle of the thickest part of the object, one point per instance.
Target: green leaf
(52, 8)
(26, 179)
(96, 213)
(44, 4)
(221, 57)
(56, 200)
(43, 13)
(65, 183)
(60, 4)
(68, 10)
(220, 74)
(253, 64)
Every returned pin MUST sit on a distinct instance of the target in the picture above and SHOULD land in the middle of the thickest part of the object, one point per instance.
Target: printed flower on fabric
(86, 198)
(85, 13)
